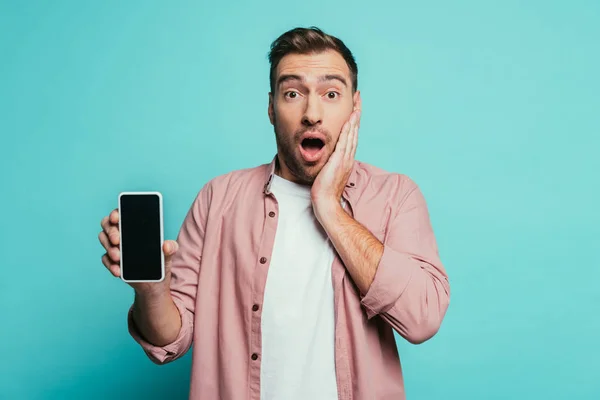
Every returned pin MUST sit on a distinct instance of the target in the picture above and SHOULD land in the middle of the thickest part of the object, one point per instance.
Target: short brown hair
(309, 41)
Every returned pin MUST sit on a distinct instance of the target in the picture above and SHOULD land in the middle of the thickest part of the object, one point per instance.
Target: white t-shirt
(298, 337)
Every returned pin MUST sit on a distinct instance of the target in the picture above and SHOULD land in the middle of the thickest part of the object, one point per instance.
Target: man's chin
(307, 172)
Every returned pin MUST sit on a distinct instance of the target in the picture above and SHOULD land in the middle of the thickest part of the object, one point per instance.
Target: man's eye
(291, 95)
(332, 95)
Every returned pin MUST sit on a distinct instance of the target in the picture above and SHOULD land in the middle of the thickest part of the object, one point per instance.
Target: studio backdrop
(492, 108)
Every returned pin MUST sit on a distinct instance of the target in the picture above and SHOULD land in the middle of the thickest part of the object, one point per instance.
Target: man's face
(311, 101)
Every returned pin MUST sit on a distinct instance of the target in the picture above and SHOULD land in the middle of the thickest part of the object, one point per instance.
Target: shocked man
(291, 277)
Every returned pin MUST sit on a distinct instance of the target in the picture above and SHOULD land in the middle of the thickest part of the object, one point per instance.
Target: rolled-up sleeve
(185, 266)
(410, 290)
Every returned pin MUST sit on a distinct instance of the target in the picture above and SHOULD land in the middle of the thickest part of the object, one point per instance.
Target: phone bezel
(162, 254)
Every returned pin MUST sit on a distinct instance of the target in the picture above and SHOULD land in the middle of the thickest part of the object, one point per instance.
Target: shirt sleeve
(185, 266)
(410, 290)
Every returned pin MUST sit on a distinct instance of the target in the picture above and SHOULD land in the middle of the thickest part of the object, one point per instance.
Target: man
(291, 277)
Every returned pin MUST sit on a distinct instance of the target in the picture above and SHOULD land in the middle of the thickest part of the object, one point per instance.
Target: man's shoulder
(380, 179)
(237, 178)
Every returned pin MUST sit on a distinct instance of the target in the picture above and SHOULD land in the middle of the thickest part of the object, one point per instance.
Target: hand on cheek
(329, 185)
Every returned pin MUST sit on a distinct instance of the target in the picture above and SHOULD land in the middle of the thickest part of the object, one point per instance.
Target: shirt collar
(348, 190)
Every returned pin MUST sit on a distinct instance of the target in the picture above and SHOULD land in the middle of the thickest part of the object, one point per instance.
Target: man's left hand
(329, 184)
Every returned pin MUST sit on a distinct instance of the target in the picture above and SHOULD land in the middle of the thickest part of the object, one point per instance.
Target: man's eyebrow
(287, 78)
(323, 78)
(333, 77)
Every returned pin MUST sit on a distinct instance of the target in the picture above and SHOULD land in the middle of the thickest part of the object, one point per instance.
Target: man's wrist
(326, 211)
(151, 298)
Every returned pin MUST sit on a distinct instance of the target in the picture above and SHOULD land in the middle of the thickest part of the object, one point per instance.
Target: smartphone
(141, 233)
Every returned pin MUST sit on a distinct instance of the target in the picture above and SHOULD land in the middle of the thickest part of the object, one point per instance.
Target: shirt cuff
(393, 274)
(173, 350)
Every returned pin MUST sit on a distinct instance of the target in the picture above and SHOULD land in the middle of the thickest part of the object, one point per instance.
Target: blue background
(492, 108)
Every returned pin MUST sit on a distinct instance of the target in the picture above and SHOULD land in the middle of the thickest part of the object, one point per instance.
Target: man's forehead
(313, 66)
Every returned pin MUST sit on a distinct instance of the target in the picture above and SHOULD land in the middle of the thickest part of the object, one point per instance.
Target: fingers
(114, 216)
(358, 105)
(109, 238)
(348, 135)
(170, 247)
(355, 136)
(113, 251)
(352, 133)
(111, 229)
(112, 267)
(104, 240)
(358, 102)
(343, 139)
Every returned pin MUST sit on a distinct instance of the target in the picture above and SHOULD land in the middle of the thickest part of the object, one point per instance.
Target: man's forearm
(359, 250)
(156, 318)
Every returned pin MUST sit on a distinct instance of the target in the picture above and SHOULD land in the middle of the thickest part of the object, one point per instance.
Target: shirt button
(263, 260)
(271, 214)
(255, 307)
(254, 356)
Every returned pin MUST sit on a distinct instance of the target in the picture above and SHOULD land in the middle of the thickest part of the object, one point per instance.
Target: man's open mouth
(312, 148)
(312, 144)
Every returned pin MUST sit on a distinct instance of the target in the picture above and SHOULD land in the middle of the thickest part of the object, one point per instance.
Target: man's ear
(271, 110)
(357, 101)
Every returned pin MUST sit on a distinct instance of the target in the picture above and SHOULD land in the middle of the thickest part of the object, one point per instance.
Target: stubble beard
(287, 146)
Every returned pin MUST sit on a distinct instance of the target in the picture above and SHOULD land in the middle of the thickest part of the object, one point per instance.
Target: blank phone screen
(140, 237)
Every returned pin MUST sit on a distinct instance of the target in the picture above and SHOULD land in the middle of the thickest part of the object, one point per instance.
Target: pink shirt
(219, 275)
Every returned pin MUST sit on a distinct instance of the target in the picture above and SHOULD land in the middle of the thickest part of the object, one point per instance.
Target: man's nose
(313, 112)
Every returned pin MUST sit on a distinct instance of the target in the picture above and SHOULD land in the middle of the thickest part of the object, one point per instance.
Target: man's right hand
(110, 239)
